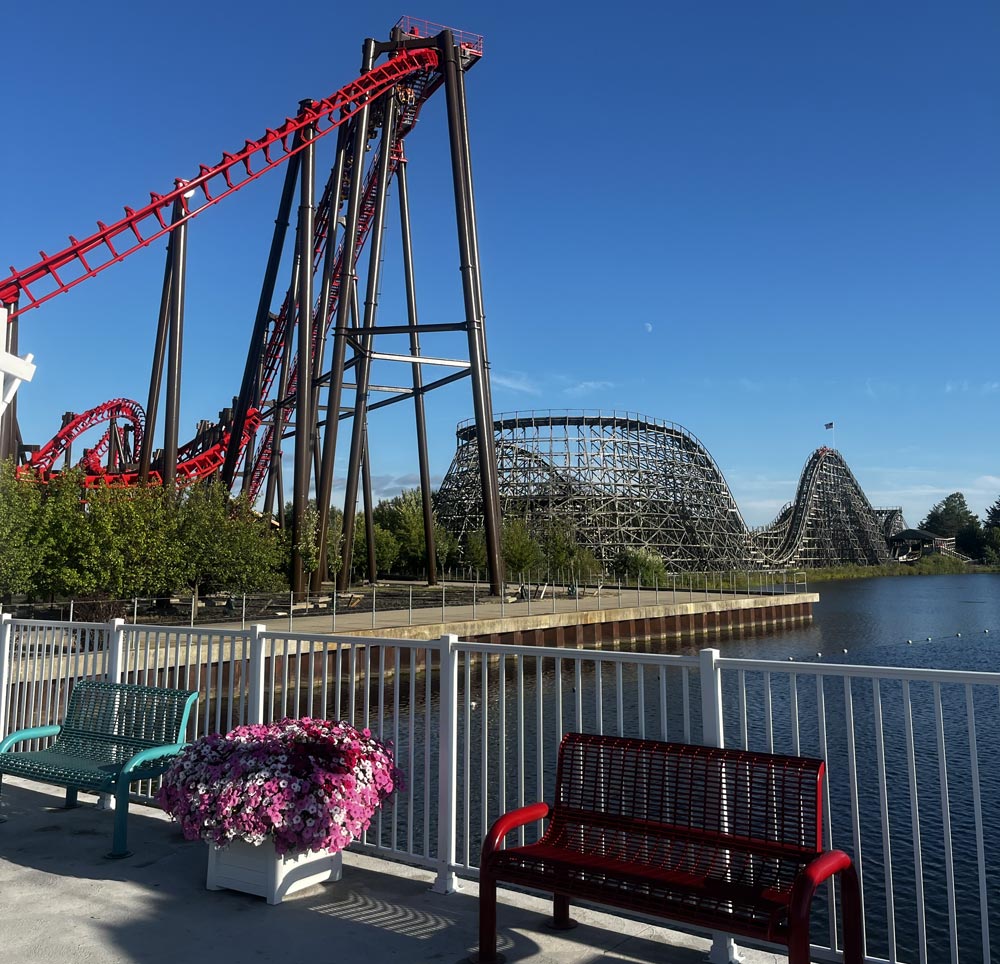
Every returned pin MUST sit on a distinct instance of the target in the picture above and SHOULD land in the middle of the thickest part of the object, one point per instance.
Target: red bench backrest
(768, 801)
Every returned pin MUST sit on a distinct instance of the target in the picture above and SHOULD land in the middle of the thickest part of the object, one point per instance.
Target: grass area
(934, 565)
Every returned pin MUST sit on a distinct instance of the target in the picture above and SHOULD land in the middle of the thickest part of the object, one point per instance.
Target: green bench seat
(113, 735)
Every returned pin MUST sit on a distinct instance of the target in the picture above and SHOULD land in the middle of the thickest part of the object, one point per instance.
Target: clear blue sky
(749, 219)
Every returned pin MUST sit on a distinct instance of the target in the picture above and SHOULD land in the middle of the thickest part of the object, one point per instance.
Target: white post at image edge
(447, 882)
(6, 636)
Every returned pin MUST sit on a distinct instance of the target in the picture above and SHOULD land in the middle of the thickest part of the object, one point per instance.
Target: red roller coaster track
(140, 228)
(82, 259)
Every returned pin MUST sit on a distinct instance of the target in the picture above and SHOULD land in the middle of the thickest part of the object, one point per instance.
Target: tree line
(978, 539)
(63, 541)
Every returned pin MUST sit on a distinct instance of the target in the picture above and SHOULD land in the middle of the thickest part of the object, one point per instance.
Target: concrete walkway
(62, 901)
(489, 614)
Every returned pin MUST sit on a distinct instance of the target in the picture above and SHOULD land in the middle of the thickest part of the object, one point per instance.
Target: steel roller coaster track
(84, 258)
(625, 481)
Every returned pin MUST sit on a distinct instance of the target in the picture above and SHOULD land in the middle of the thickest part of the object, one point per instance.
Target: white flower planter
(258, 869)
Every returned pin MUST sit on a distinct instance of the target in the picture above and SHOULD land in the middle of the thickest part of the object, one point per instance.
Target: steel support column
(369, 507)
(465, 218)
(175, 346)
(418, 395)
(156, 374)
(304, 389)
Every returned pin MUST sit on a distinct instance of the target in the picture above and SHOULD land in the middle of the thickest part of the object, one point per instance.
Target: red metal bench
(721, 839)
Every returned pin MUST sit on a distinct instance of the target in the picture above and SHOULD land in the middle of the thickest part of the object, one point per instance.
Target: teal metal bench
(113, 735)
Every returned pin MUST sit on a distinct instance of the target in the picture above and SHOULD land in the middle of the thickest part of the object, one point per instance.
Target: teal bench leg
(119, 846)
(70, 798)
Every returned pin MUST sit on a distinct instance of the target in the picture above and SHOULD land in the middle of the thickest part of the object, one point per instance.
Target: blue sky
(749, 219)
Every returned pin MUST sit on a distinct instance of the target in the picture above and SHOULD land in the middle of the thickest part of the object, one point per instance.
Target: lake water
(874, 618)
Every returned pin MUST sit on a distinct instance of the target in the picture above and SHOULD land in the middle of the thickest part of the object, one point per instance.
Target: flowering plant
(308, 784)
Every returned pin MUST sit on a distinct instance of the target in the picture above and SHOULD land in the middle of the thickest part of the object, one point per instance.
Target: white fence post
(255, 675)
(6, 638)
(724, 949)
(711, 698)
(115, 642)
(446, 881)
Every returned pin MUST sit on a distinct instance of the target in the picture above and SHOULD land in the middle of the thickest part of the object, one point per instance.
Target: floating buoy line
(927, 639)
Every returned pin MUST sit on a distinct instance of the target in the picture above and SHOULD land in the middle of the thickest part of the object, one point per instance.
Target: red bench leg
(561, 921)
(853, 921)
(487, 921)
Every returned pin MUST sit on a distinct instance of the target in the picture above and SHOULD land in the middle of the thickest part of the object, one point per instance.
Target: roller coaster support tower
(285, 376)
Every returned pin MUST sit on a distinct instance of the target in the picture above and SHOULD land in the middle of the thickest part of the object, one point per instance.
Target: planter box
(257, 869)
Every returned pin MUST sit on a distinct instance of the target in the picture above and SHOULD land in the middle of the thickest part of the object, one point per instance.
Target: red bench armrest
(511, 821)
(809, 878)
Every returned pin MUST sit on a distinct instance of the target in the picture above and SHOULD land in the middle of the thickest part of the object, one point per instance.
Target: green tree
(403, 517)
(227, 546)
(475, 549)
(559, 545)
(69, 562)
(20, 509)
(134, 533)
(641, 564)
(992, 520)
(386, 549)
(521, 553)
(953, 517)
(446, 546)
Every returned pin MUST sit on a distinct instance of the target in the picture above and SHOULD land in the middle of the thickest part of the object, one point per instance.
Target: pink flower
(308, 784)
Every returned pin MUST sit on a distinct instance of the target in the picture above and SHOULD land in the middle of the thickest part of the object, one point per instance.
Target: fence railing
(476, 727)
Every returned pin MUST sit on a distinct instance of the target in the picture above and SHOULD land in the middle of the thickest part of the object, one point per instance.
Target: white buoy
(819, 654)
(845, 649)
(958, 635)
(928, 639)
(909, 642)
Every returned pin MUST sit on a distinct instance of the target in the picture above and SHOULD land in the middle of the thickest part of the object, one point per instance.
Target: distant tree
(991, 535)
(334, 541)
(641, 564)
(558, 544)
(446, 547)
(386, 549)
(953, 517)
(475, 549)
(521, 553)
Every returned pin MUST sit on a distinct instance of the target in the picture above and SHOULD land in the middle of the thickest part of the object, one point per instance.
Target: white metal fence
(475, 727)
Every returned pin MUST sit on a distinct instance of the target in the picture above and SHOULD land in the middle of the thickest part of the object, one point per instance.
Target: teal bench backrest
(140, 716)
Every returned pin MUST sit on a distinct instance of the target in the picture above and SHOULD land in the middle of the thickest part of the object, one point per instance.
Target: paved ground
(62, 901)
